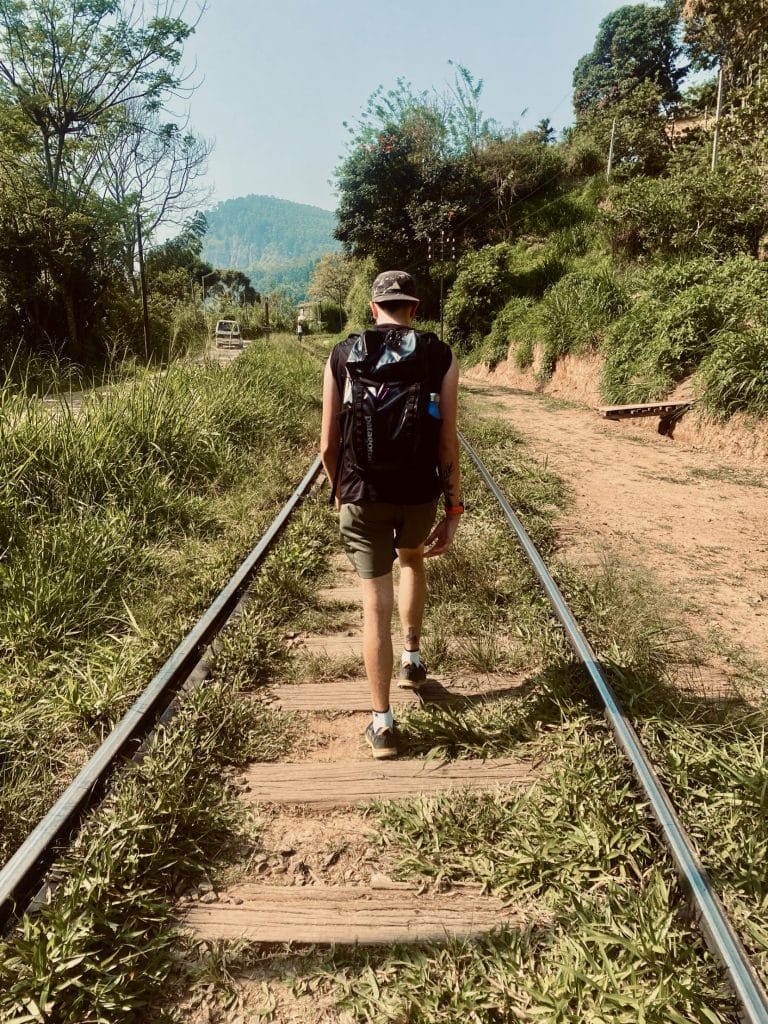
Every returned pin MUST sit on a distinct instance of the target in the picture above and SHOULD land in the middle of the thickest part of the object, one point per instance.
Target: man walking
(388, 505)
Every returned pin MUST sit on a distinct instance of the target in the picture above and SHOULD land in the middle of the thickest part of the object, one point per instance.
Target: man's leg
(412, 595)
(378, 601)
(412, 672)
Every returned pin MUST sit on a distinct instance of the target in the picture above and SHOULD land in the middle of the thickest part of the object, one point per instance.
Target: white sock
(383, 720)
(411, 657)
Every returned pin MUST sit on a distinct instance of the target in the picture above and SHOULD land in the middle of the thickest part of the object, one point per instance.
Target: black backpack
(388, 425)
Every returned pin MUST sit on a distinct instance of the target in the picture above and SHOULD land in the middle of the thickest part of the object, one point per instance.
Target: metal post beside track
(721, 939)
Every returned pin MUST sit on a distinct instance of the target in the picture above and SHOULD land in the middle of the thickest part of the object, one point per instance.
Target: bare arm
(442, 536)
(330, 440)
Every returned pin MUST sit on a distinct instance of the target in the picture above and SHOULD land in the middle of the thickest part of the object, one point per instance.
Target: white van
(227, 334)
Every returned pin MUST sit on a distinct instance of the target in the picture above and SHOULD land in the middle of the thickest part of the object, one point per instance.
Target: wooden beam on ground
(332, 646)
(347, 594)
(616, 412)
(354, 694)
(323, 785)
(348, 916)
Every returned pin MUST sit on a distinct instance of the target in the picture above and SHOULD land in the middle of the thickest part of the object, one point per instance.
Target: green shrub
(524, 353)
(734, 377)
(487, 279)
(189, 331)
(676, 323)
(694, 211)
(567, 243)
(576, 312)
(583, 156)
(517, 324)
(630, 371)
(333, 317)
(427, 325)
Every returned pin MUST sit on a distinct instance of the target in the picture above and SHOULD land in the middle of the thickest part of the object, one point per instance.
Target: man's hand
(441, 538)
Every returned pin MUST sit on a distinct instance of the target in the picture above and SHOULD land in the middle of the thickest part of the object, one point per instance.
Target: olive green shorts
(372, 533)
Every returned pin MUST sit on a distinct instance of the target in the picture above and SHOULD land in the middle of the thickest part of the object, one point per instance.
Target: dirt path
(695, 517)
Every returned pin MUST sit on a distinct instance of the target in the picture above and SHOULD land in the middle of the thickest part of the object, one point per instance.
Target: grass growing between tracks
(619, 947)
(194, 465)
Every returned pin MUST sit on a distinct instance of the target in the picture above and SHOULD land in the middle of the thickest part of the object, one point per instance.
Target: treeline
(90, 156)
(639, 232)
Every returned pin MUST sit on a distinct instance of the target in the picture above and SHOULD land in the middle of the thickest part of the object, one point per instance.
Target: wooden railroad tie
(363, 914)
(323, 785)
(346, 915)
(355, 695)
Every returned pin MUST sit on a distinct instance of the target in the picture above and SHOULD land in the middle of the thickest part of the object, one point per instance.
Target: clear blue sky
(281, 77)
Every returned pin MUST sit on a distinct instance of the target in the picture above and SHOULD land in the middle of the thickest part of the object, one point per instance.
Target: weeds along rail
(23, 874)
(716, 927)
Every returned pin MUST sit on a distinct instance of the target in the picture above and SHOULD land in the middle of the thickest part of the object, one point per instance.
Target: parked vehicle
(227, 334)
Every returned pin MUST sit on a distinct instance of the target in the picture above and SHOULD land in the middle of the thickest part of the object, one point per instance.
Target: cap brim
(396, 297)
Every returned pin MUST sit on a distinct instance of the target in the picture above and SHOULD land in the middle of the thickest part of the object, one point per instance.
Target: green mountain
(275, 242)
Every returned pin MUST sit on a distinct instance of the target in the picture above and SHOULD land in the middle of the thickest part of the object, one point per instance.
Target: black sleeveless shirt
(406, 488)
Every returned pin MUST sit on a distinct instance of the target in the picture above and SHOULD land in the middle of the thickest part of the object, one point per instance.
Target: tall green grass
(86, 488)
(106, 945)
(576, 313)
(700, 313)
(118, 521)
(734, 377)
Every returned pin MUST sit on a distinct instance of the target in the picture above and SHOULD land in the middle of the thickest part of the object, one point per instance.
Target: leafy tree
(733, 35)
(235, 286)
(397, 193)
(404, 179)
(72, 65)
(152, 167)
(175, 268)
(729, 32)
(469, 129)
(642, 143)
(58, 268)
(545, 132)
(332, 279)
(635, 44)
(183, 250)
(70, 70)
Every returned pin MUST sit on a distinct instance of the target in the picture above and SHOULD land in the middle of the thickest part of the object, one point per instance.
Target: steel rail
(23, 873)
(719, 934)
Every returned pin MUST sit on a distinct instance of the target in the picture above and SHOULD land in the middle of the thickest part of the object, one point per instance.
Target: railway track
(347, 895)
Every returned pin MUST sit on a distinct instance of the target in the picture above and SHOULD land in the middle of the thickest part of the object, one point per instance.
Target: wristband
(454, 510)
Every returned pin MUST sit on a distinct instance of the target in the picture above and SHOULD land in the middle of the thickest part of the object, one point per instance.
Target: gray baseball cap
(394, 286)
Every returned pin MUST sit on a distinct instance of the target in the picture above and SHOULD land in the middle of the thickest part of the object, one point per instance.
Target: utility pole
(609, 170)
(716, 138)
(143, 280)
(203, 278)
(445, 242)
(266, 314)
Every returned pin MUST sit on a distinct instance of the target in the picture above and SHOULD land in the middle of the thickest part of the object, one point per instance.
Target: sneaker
(412, 677)
(383, 742)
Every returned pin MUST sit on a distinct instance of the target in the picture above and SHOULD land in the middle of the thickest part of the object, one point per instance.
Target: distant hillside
(275, 242)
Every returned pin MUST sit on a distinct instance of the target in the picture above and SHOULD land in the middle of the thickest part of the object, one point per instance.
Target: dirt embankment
(693, 508)
(739, 439)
